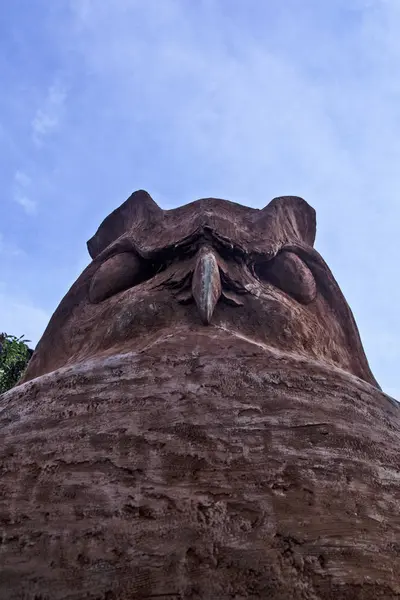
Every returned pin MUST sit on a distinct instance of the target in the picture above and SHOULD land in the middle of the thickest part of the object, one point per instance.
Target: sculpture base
(224, 471)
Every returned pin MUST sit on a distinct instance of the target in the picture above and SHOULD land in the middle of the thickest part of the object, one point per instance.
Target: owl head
(207, 266)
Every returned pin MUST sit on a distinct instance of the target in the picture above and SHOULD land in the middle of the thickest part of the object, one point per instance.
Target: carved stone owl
(199, 420)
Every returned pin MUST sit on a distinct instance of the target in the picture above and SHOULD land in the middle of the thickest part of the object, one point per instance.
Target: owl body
(189, 446)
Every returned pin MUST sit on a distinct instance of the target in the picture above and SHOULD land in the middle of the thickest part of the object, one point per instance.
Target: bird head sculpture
(209, 264)
(199, 420)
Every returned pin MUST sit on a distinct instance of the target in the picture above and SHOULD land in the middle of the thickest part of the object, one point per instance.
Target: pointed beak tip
(206, 320)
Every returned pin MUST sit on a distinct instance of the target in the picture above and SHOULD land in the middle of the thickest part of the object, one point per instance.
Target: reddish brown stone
(146, 455)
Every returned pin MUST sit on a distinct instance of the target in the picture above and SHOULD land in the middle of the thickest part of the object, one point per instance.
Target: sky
(238, 99)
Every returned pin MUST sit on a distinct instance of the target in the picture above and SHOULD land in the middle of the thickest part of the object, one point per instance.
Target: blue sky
(239, 99)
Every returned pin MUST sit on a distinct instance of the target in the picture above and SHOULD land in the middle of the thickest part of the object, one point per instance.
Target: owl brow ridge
(204, 233)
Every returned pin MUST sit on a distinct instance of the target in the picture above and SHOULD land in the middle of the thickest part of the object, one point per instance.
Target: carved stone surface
(199, 420)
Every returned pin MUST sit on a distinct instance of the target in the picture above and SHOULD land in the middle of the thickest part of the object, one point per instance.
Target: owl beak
(206, 284)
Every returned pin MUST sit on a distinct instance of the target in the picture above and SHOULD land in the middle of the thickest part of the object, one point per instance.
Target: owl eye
(118, 273)
(289, 273)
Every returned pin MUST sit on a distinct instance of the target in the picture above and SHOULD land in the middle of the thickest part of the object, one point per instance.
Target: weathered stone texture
(156, 457)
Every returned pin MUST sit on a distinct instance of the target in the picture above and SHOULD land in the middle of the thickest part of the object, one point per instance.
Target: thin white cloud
(22, 179)
(22, 183)
(29, 205)
(46, 121)
(47, 118)
(242, 113)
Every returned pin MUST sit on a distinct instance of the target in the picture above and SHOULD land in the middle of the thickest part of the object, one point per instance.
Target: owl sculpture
(199, 420)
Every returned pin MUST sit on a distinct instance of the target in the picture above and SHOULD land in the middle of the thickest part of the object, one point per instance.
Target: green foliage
(14, 357)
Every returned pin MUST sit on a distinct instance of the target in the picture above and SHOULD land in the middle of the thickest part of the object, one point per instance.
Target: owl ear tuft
(294, 218)
(138, 211)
